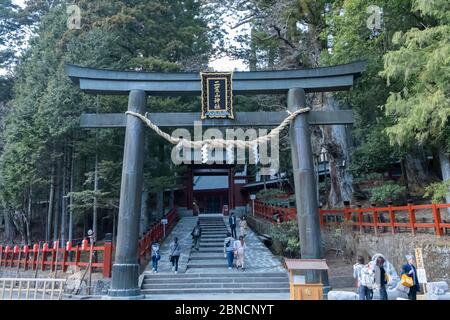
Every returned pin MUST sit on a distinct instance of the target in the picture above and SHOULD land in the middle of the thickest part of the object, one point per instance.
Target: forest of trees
(57, 180)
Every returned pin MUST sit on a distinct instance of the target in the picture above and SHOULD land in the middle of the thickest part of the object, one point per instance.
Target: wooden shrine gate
(139, 85)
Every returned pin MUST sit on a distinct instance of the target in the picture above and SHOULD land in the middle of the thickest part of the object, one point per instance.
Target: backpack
(367, 277)
(228, 243)
(196, 231)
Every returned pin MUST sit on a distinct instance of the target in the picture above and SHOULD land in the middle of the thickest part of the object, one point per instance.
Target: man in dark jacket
(410, 270)
(232, 222)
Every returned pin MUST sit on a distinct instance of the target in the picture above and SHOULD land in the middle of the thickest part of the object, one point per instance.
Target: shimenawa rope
(219, 143)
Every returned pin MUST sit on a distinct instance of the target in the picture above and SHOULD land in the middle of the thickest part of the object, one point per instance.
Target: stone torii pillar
(125, 271)
(305, 185)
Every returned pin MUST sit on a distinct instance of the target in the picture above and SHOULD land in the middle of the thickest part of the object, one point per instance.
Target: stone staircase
(210, 255)
(207, 271)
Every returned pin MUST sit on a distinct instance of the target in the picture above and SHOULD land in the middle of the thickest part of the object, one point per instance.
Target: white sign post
(421, 274)
(164, 222)
(253, 198)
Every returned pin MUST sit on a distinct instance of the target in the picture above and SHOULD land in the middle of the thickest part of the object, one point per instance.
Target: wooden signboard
(217, 95)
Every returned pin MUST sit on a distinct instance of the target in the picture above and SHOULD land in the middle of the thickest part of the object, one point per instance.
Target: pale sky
(223, 64)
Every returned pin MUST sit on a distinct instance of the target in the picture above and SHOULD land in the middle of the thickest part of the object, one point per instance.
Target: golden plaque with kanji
(217, 95)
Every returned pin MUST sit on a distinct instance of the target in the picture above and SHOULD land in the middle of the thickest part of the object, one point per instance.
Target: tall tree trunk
(72, 163)
(57, 203)
(94, 209)
(63, 198)
(444, 161)
(50, 204)
(417, 173)
(29, 215)
(9, 227)
(336, 138)
(337, 144)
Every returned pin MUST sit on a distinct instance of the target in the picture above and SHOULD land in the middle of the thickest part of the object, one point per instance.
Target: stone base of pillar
(125, 281)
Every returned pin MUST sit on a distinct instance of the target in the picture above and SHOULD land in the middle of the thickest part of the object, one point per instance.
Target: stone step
(211, 263)
(215, 237)
(150, 275)
(221, 279)
(217, 291)
(214, 234)
(211, 244)
(210, 250)
(206, 256)
(212, 285)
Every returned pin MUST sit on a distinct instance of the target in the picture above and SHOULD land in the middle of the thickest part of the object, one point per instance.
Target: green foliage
(387, 191)
(270, 194)
(352, 40)
(42, 122)
(287, 234)
(437, 191)
(421, 63)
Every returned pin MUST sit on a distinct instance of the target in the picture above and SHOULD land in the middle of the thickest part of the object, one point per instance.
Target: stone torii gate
(139, 85)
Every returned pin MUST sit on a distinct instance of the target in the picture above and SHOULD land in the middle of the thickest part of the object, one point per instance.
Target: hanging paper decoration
(230, 153)
(255, 153)
(205, 153)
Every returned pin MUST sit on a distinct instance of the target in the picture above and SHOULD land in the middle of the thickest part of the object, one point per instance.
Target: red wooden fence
(373, 219)
(156, 233)
(45, 257)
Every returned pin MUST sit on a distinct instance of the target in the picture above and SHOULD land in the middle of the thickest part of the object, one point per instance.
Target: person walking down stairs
(232, 222)
(196, 234)
(155, 256)
(228, 250)
(175, 252)
(239, 251)
(243, 227)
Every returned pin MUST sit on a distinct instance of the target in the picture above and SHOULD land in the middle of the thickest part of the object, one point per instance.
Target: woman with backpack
(364, 279)
(155, 256)
(175, 252)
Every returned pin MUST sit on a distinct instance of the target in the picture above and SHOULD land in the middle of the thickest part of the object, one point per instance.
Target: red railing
(374, 219)
(156, 232)
(46, 258)
(27, 258)
(269, 212)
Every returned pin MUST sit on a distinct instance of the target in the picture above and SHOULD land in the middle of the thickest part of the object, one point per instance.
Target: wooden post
(64, 260)
(391, 218)
(437, 220)
(35, 256)
(412, 217)
(54, 254)
(77, 256)
(27, 256)
(360, 219)
(44, 255)
(107, 259)
(374, 218)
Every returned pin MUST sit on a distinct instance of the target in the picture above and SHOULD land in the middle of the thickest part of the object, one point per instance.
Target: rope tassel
(219, 143)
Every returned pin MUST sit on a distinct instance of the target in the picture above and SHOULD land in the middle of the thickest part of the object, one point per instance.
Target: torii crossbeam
(139, 85)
